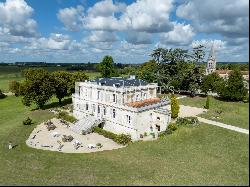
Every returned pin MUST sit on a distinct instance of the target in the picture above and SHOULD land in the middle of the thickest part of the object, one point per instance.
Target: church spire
(211, 62)
(212, 53)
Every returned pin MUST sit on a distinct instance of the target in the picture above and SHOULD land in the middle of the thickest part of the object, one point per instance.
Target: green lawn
(233, 113)
(206, 155)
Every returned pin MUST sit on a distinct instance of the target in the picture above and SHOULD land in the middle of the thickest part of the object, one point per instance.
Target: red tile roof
(145, 102)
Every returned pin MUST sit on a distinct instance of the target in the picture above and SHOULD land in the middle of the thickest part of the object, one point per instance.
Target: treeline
(40, 85)
(233, 66)
(184, 71)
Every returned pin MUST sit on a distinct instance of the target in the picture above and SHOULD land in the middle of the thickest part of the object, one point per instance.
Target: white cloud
(71, 17)
(148, 16)
(15, 17)
(102, 36)
(226, 17)
(139, 37)
(181, 35)
(54, 42)
(106, 8)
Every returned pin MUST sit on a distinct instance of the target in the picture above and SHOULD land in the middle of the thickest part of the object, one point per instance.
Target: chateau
(120, 105)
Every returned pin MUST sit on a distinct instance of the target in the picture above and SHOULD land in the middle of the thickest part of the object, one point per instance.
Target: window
(137, 97)
(114, 98)
(113, 113)
(145, 96)
(98, 94)
(158, 127)
(158, 118)
(93, 108)
(104, 111)
(87, 106)
(128, 119)
(98, 109)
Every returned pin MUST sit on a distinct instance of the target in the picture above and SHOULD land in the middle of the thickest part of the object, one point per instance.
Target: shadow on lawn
(55, 104)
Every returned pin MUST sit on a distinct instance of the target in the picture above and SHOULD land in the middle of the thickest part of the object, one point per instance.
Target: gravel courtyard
(41, 138)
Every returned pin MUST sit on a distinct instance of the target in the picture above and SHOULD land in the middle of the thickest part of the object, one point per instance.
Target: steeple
(211, 61)
(212, 53)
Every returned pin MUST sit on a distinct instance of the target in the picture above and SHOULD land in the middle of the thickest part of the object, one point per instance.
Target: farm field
(205, 155)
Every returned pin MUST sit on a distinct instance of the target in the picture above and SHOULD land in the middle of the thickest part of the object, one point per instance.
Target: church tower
(211, 62)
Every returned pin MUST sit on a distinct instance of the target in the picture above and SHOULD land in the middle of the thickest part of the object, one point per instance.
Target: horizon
(81, 31)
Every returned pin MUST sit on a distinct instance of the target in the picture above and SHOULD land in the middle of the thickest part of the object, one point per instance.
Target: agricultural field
(9, 73)
(231, 113)
(203, 155)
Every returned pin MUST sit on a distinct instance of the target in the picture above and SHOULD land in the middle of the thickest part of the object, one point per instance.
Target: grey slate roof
(120, 82)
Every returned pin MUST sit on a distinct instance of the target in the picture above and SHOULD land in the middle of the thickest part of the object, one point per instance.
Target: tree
(76, 77)
(147, 71)
(207, 103)
(198, 54)
(232, 89)
(209, 82)
(15, 87)
(107, 67)
(174, 107)
(38, 87)
(61, 81)
(2, 95)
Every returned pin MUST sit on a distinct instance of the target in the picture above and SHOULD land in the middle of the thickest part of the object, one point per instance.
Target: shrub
(15, 87)
(67, 138)
(99, 145)
(123, 139)
(174, 107)
(120, 139)
(164, 133)
(246, 99)
(168, 131)
(145, 134)
(50, 125)
(172, 126)
(2, 95)
(187, 121)
(27, 121)
(207, 103)
(64, 115)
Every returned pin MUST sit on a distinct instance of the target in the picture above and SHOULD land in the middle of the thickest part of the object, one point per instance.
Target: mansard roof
(119, 82)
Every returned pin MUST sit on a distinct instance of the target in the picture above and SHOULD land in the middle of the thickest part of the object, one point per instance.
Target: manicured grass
(233, 113)
(205, 155)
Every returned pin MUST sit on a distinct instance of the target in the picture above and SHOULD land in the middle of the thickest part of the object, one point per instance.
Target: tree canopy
(107, 67)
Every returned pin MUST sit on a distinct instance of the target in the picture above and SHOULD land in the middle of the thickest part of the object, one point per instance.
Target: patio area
(60, 138)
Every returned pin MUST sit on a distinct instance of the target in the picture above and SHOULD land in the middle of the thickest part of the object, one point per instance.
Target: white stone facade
(110, 104)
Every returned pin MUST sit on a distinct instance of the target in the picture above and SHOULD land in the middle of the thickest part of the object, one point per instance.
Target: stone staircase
(85, 124)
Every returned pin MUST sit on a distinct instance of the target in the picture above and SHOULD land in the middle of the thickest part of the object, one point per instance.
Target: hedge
(122, 139)
(64, 115)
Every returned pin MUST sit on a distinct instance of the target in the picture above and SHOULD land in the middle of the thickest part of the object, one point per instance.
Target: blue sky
(82, 31)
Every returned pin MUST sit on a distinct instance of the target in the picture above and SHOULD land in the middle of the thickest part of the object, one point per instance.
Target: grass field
(233, 113)
(206, 155)
(9, 73)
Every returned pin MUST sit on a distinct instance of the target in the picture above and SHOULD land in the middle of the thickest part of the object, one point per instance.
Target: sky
(81, 31)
